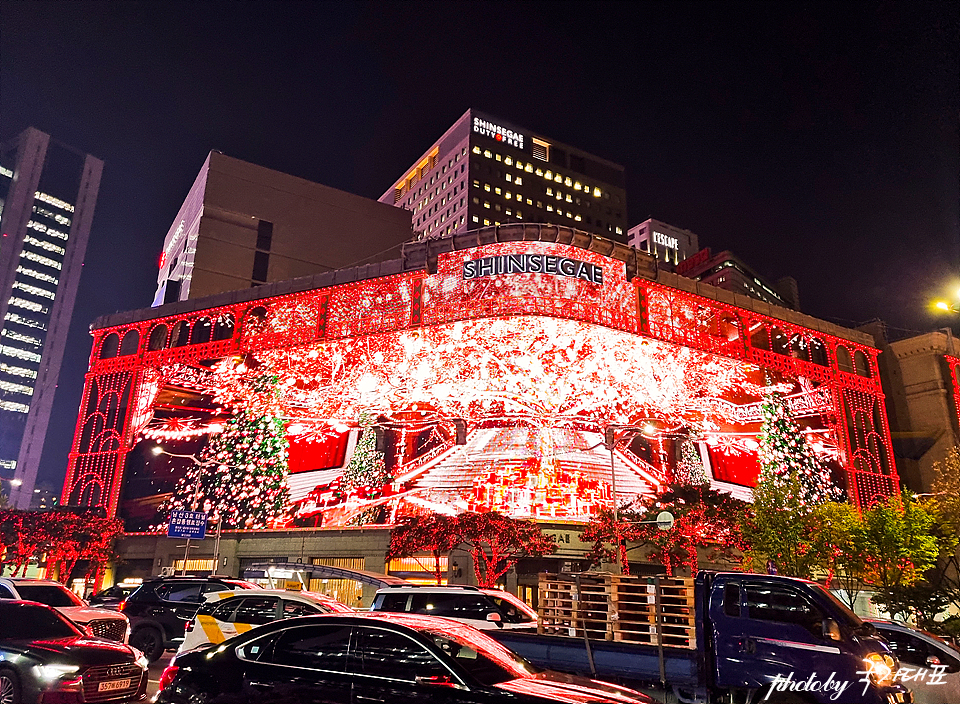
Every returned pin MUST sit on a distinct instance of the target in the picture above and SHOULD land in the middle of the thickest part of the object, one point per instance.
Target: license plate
(113, 685)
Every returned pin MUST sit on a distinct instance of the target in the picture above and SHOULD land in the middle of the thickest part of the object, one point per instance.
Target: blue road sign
(187, 524)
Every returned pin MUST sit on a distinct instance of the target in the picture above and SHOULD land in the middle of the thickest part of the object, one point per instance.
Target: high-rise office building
(484, 171)
(47, 194)
(243, 225)
(664, 242)
(728, 271)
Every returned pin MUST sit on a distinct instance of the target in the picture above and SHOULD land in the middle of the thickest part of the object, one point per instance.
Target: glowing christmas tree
(366, 474)
(690, 467)
(240, 475)
(784, 452)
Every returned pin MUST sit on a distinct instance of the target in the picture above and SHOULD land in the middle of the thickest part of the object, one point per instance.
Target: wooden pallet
(619, 608)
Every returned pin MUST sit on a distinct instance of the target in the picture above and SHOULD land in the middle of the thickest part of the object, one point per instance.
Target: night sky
(814, 140)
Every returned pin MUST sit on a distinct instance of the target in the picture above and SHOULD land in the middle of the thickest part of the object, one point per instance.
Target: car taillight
(122, 605)
(168, 674)
(188, 626)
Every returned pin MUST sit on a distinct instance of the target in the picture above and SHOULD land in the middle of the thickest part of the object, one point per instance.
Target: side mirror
(495, 618)
(933, 661)
(831, 629)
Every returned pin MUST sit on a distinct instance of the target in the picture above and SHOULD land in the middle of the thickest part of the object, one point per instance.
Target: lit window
(519, 181)
(476, 219)
(13, 388)
(498, 157)
(15, 407)
(508, 161)
(548, 175)
(577, 217)
(558, 178)
(476, 183)
(529, 201)
(18, 371)
(596, 193)
(34, 290)
(508, 195)
(559, 195)
(569, 215)
(619, 230)
(48, 246)
(20, 337)
(486, 204)
(19, 354)
(529, 168)
(28, 305)
(567, 181)
(55, 202)
(37, 275)
(578, 186)
(509, 178)
(487, 153)
(486, 187)
(549, 208)
(569, 198)
(519, 164)
(508, 211)
(549, 191)
(486, 222)
(497, 190)
(27, 322)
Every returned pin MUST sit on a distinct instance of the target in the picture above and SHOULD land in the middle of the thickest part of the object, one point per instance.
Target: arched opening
(181, 334)
(223, 330)
(818, 352)
(779, 342)
(861, 364)
(729, 327)
(202, 330)
(759, 339)
(844, 362)
(110, 346)
(130, 343)
(158, 338)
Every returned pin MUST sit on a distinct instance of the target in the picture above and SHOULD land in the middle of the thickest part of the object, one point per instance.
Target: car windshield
(846, 615)
(25, 621)
(479, 654)
(512, 612)
(49, 594)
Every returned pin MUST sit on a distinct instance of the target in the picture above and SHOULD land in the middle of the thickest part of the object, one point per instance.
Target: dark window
(317, 647)
(393, 602)
(577, 164)
(770, 603)
(171, 293)
(179, 591)
(158, 338)
(261, 264)
(130, 343)
(224, 328)
(510, 612)
(201, 332)
(731, 600)
(256, 610)
(844, 362)
(49, 595)
(292, 609)
(474, 606)
(110, 346)
(224, 610)
(6, 593)
(181, 334)
(264, 235)
(393, 655)
(33, 622)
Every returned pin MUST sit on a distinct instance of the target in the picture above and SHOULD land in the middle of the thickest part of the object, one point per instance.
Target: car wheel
(148, 640)
(9, 687)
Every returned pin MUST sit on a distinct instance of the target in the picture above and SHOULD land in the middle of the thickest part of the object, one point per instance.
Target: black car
(112, 597)
(45, 657)
(371, 657)
(160, 608)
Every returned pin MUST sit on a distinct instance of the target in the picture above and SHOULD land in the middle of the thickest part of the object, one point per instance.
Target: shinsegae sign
(532, 264)
(495, 131)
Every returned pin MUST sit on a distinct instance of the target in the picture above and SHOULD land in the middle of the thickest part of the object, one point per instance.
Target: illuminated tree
(703, 519)
(434, 533)
(690, 467)
(496, 542)
(366, 474)
(785, 455)
(240, 475)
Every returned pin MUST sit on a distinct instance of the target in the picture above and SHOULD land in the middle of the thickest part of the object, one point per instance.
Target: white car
(929, 666)
(226, 614)
(481, 608)
(102, 623)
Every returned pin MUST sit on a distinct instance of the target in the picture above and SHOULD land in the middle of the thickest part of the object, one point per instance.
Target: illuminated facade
(484, 171)
(666, 243)
(48, 192)
(535, 338)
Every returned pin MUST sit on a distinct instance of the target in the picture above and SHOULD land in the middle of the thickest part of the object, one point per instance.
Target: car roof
(31, 580)
(285, 593)
(431, 588)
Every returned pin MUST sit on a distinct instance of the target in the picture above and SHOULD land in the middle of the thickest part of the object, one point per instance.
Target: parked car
(919, 653)
(371, 657)
(160, 608)
(226, 614)
(480, 608)
(111, 597)
(45, 657)
(103, 623)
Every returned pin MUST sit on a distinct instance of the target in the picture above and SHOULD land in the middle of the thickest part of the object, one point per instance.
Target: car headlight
(882, 668)
(142, 661)
(49, 673)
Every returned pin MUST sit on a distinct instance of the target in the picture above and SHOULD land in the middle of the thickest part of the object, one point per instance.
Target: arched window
(201, 331)
(254, 320)
(223, 330)
(844, 362)
(779, 342)
(158, 338)
(759, 339)
(110, 346)
(818, 353)
(861, 364)
(130, 343)
(181, 334)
